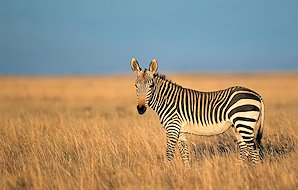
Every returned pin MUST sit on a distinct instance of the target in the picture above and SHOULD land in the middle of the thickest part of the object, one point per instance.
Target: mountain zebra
(183, 111)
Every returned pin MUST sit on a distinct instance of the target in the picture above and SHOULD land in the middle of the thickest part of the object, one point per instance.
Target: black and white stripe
(183, 111)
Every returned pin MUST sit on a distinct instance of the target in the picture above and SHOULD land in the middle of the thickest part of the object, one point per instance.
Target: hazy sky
(100, 37)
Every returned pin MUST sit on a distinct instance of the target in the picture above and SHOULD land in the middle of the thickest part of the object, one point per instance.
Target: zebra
(186, 111)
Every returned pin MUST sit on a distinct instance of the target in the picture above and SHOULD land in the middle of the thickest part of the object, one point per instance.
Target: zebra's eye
(151, 85)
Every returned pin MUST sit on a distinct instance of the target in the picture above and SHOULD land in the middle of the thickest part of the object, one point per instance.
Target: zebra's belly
(197, 129)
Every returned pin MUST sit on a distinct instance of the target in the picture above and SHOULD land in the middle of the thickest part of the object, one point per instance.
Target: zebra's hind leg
(261, 152)
(249, 152)
(183, 148)
(244, 131)
(253, 151)
(244, 153)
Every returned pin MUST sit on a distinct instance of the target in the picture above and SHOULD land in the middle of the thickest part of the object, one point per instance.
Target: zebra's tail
(260, 130)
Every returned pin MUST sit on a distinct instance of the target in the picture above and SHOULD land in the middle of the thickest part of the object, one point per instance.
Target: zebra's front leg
(172, 138)
(183, 148)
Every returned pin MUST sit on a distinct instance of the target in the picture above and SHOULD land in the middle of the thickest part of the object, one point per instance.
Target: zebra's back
(211, 113)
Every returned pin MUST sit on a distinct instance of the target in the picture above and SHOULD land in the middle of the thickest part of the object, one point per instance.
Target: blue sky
(100, 37)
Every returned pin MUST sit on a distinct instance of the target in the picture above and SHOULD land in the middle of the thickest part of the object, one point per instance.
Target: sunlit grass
(85, 133)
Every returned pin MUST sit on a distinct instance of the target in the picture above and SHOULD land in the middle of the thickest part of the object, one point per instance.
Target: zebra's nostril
(141, 109)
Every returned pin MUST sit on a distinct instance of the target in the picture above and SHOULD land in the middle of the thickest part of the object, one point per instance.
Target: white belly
(205, 130)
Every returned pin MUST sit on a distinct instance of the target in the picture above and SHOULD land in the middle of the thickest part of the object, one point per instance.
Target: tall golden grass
(85, 133)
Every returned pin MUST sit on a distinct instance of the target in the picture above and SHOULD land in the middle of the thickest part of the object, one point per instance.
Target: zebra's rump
(243, 103)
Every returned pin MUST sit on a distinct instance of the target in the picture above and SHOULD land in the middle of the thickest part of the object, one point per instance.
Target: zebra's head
(144, 83)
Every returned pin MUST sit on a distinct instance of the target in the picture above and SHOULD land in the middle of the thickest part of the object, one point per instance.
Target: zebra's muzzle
(141, 109)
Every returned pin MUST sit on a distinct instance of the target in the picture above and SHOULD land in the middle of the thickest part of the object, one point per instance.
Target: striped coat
(182, 111)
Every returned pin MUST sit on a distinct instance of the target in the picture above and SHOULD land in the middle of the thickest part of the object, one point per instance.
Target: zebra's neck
(163, 89)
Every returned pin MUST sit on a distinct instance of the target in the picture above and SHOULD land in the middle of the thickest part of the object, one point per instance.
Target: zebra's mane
(164, 77)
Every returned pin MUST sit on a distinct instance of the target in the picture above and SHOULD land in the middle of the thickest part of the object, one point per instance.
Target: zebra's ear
(135, 66)
(153, 66)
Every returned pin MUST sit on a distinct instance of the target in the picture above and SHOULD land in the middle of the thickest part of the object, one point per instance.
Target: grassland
(85, 133)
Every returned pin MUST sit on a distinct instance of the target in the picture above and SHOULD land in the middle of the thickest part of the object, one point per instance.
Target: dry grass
(85, 133)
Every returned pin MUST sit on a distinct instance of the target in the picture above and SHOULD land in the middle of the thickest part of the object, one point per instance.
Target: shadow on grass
(279, 146)
(274, 146)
